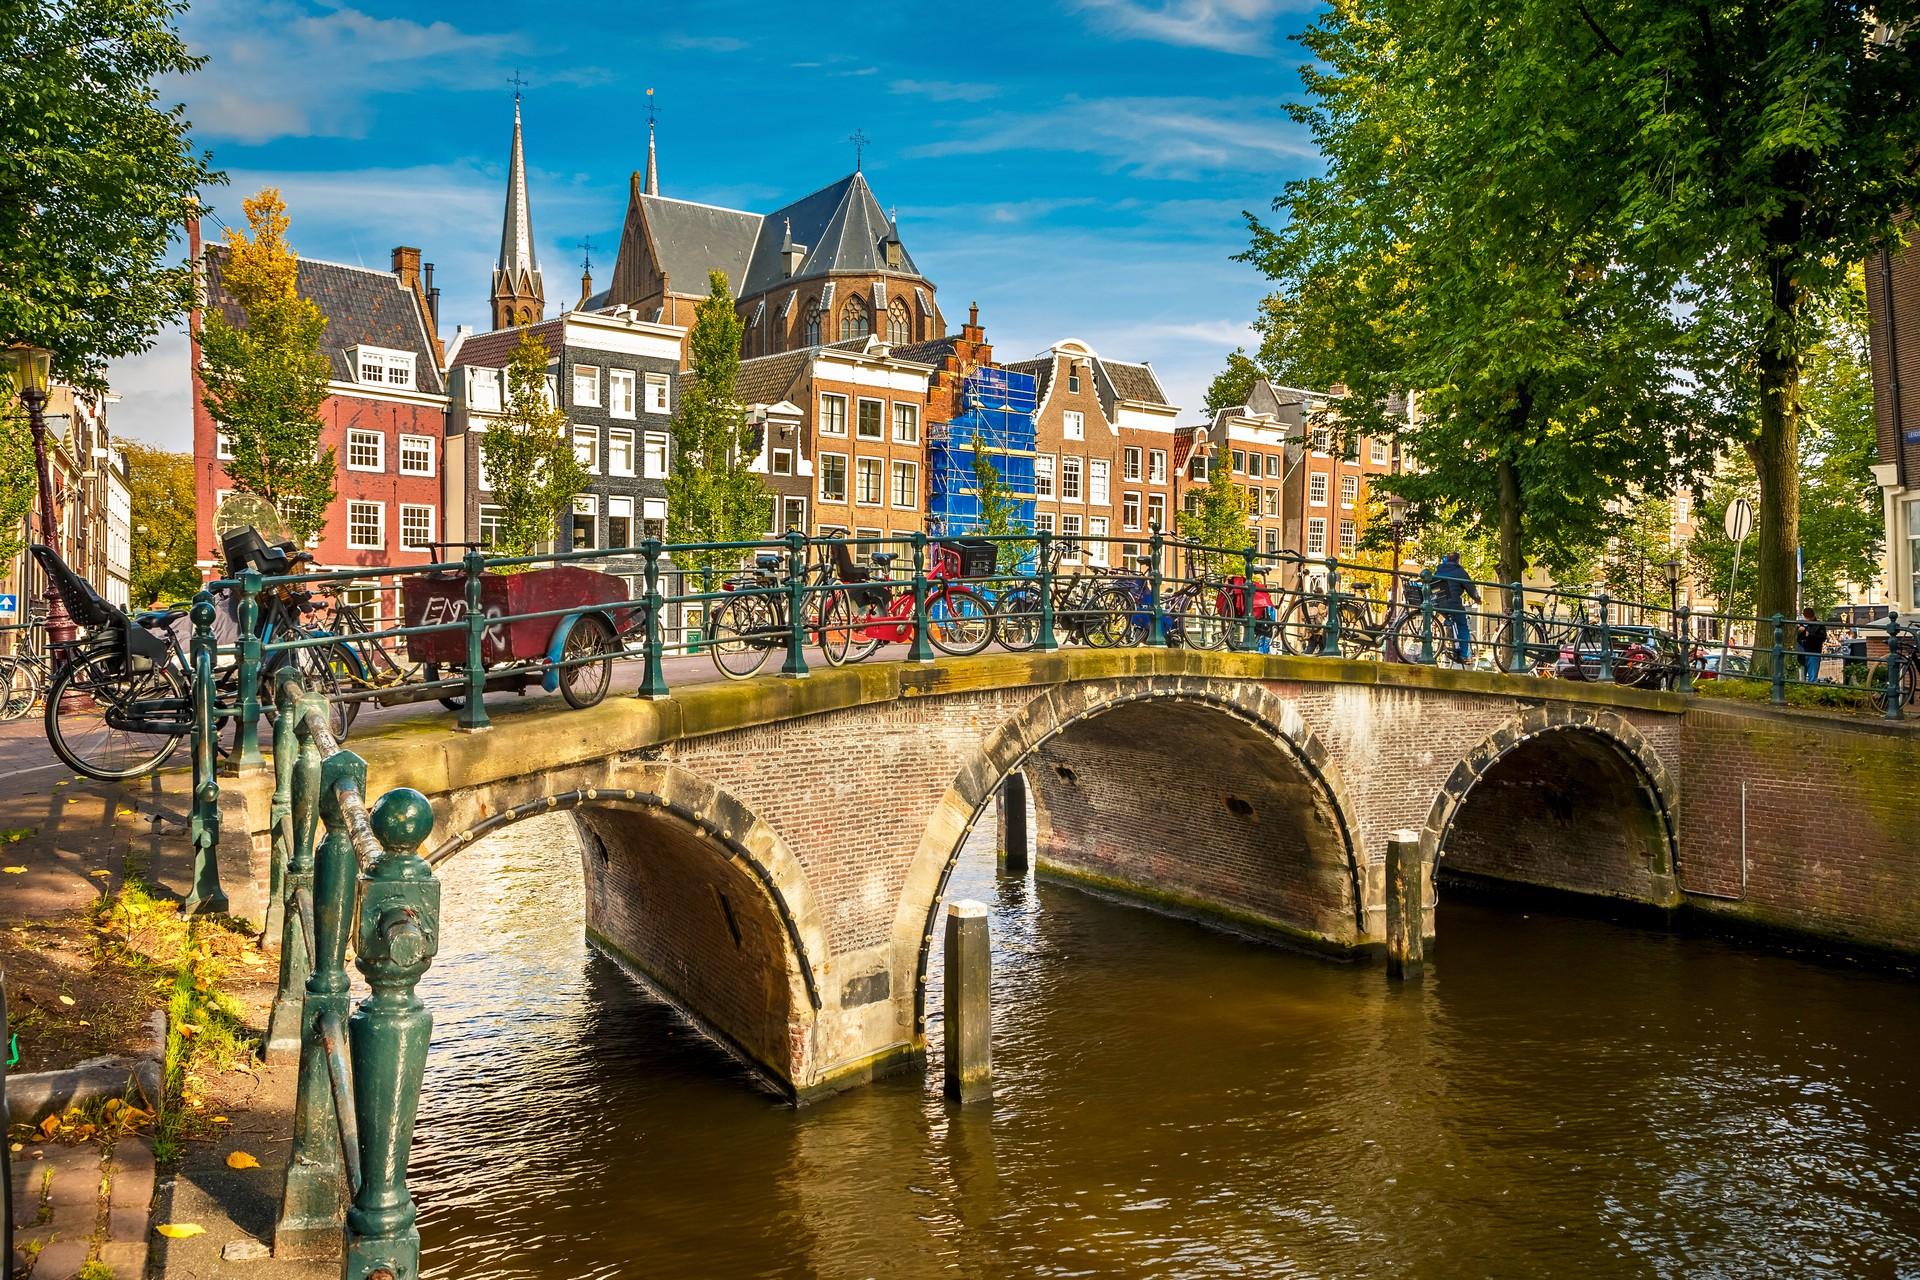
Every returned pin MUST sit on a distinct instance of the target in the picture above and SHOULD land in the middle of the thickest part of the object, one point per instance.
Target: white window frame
(222, 445)
(1317, 534)
(659, 393)
(395, 368)
(781, 464)
(1322, 440)
(1349, 491)
(1273, 503)
(1130, 512)
(1157, 511)
(1197, 467)
(618, 509)
(1274, 468)
(425, 444)
(1130, 465)
(414, 509)
(1043, 520)
(879, 419)
(826, 417)
(846, 479)
(588, 505)
(591, 433)
(1070, 529)
(1317, 489)
(1377, 452)
(911, 470)
(623, 396)
(1073, 425)
(649, 442)
(1097, 532)
(1099, 482)
(865, 464)
(360, 435)
(588, 374)
(493, 382)
(480, 521)
(784, 508)
(906, 423)
(1078, 470)
(1157, 467)
(1044, 471)
(1349, 535)
(379, 509)
(622, 435)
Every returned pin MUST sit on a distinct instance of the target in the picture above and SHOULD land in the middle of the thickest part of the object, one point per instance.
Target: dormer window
(1073, 377)
(383, 367)
(483, 388)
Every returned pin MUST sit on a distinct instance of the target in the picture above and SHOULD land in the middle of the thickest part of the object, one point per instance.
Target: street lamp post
(1672, 566)
(31, 369)
(1396, 517)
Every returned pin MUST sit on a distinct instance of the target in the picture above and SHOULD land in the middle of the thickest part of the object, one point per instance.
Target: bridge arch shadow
(691, 891)
(1209, 798)
(1568, 799)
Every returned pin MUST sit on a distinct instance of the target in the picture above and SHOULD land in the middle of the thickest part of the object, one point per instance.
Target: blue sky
(1078, 167)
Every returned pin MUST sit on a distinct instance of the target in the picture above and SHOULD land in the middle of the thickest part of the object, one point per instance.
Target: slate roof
(841, 226)
(1042, 371)
(933, 352)
(494, 349)
(1134, 381)
(765, 380)
(361, 304)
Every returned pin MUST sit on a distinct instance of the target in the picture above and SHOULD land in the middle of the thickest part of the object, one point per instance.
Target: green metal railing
(344, 870)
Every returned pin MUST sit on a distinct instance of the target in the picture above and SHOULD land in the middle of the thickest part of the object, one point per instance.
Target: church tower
(518, 297)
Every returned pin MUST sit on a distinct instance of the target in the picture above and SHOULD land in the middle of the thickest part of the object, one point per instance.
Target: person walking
(1812, 638)
(1451, 586)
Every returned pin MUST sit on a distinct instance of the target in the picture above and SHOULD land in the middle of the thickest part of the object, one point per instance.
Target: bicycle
(1303, 627)
(1903, 664)
(744, 628)
(24, 672)
(960, 623)
(1087, 608)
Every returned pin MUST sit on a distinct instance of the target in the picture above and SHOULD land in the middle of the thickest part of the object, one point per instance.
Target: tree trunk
(1775, 453)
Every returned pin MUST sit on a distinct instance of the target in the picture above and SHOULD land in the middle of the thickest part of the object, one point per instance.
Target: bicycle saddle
(885, 558)
(151, 618)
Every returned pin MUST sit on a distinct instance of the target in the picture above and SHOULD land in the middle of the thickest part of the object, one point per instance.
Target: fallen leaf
(102, 873)
(220, 1120)
(181, 1230)
(14, 871)
(188, 1031)
(49, 1126)
(14, 835)
(241, 1160)
(66, 1000)
(126, 813)
(248, 957)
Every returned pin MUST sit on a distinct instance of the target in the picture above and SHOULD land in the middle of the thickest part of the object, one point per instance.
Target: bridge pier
(1014, 848)
(1406, 908)
(969, 1015)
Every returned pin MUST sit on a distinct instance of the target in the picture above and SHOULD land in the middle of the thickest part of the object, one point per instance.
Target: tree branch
(1599, 34)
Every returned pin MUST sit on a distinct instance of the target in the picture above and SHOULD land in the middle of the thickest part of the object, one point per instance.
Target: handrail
(358, 1074)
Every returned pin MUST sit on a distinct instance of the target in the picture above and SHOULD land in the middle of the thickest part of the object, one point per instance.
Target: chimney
(406, 265)
(586, 288)
(973, 315)
(406, 268)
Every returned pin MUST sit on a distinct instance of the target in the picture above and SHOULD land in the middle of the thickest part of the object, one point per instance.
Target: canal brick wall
(1803, 823)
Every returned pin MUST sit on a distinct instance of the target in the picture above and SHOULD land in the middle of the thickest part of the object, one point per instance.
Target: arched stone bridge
(772, 854)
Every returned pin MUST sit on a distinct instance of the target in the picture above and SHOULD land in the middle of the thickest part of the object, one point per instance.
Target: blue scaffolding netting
(997, 422)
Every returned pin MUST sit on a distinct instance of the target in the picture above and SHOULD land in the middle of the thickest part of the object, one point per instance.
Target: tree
(1469, 242)
(1234, 383)
(265, 379)
(1770, 149)
(19, 480)
(711, 495)
(999, 510)
(96, 178)
(1840, 521)
(1633, 565)
(161, 485)
(528, 457)
(1216, 518)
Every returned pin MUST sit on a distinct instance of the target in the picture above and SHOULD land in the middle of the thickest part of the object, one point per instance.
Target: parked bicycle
(878, 609)
(1903, 668)
(26, 671)
(1088, 607)
(755, 619)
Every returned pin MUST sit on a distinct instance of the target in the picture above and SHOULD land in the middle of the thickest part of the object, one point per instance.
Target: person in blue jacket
(1451, 586)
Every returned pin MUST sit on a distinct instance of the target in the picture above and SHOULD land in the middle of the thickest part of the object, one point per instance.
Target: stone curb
(40, 1093)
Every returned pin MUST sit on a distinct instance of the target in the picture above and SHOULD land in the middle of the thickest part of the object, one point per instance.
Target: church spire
(518, 297)
(653, 165)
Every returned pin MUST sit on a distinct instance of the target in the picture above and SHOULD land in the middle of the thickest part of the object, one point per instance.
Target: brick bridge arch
(1243, 710)
(676, 869)
(1584, 778)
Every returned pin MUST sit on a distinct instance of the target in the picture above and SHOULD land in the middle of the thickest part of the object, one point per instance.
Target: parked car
(1711, 666)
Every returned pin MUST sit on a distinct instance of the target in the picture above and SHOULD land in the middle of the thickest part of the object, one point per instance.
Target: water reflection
(1561, 1095)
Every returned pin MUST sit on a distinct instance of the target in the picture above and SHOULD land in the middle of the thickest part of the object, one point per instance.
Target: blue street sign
(9, 606)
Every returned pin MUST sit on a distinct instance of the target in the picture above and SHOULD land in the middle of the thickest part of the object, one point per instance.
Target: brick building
(384, 416)
(842, 430)
(1104, 450)
(829, 267)
(1893, 317)
(613, 376)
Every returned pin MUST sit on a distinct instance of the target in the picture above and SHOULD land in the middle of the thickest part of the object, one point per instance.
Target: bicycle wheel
(959, 622)
(1358, 636)
(739, 642)
(1200, 623)
(1016, 620)
(1303, 627)
(589, 649)
(1409, 631)
(92, 699)
(1531, 645)
(1909, 685)
(1110, 620)
(430, 674)
(833, 626)
(20, 687)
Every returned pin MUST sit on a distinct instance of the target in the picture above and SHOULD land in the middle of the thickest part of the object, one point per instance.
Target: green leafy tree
(528, 456)
(96, 178)
(1769, 147)
(1633, 565)
(1841, 530)
(1234, 383)
(999, 510)
(264, 380)
(1216, 518)
(161, 486)
(19, 481)
(711, 495)
(1468, 241)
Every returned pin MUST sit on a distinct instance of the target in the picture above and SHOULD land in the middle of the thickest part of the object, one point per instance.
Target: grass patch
(1751, 689)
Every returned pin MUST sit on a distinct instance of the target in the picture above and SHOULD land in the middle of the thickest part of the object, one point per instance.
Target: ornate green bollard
(1426, 617)
(921, 650)
(247, 757)
(795, 667)
(654, 683)
(284, 1025)
(1247, 642)
(287, 689)
(1521, 643)
(1683, 649)
(317, 1183)
(1156, 589)
(1779, 692)
(473, 715)
(1896, 696)
(399, 935)
(1606, 635)
(1044, 570)
(1330, 633)
(204, 822)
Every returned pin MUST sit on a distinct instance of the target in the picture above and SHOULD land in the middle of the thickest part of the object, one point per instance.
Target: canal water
(1563, 1096)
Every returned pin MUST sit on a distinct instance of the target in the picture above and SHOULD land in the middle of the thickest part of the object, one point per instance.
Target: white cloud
(1226, 26)
(282, 69)
(945, 90)
(709, 44)
(1175, 138)
(156, 394)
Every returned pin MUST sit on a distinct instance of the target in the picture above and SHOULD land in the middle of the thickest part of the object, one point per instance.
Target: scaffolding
(997, 422)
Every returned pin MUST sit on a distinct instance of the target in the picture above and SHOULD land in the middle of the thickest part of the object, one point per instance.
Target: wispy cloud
(708, 44)
(1180, 138)
(283, 69)
(1226, 26)
(945, 90)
